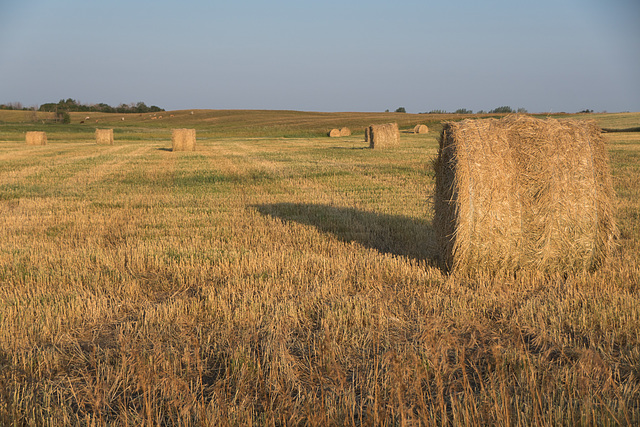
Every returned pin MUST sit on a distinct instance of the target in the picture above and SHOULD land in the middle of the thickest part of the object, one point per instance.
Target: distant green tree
(522, 110)
(463, 111)
(502, 110)
(438, 112)
(48, 107)
(401, 110)
(63, 117)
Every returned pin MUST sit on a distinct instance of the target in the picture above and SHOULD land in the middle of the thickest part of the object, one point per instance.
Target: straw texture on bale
(36, 138)
(421, 129)
(523, 193)
(345, 131)
(183, 139)
(334, 133)
(383, 136)
(104, 136)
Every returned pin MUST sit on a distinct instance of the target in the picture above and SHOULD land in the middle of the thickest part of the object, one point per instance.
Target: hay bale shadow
(388, 234)
(164, 149)
(609, 130)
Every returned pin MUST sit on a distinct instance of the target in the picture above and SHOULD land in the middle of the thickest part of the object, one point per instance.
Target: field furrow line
(11, 177)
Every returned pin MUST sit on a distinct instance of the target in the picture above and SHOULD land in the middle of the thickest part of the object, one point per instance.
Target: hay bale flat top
(523, 192)
(384, 136)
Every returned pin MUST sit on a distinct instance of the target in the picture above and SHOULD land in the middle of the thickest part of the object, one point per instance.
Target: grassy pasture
(275, 276)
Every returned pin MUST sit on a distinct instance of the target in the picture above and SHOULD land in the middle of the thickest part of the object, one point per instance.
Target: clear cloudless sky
(330, 55)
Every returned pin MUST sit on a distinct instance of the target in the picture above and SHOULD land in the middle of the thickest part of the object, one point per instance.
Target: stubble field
(287, 280)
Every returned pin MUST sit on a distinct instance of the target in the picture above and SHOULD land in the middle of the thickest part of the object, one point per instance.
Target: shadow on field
(164, 149)
(389, 234)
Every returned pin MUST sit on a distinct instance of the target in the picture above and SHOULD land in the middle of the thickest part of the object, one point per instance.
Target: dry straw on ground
(334, 133)
(104, 136)
(345, 131)
(522, 192)
(183, 139)
(383, 136)
(421, 129)
(36, 138)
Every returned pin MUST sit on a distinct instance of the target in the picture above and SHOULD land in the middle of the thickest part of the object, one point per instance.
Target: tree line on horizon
(505, 109)
(71, 105)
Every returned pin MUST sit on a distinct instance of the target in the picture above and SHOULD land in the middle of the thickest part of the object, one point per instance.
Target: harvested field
(286, 280)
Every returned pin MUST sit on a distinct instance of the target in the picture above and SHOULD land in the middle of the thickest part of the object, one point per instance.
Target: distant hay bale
(345, 131)
(104, 136)
(421, 129)
(523, 193)
(383, 136)
(36, 138)
(334, 133)
(367, 134)
(183, 139)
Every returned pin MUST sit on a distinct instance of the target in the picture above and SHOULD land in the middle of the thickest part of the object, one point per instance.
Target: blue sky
(346, 55)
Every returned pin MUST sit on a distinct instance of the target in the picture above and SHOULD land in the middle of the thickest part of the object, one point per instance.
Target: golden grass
(273, 281)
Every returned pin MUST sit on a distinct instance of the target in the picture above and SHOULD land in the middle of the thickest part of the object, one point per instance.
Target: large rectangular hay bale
(383, 136)
(183, 139)
(104, 136)
(523, 193)
(36, 138)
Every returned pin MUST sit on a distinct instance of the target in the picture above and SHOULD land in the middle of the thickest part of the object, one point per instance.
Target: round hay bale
(183, 139)
(421, 129)
(345, 131)
(523, 193)
(384, 136)
(334, 133)
(104, 136)
(367, 134)
(36, 138)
